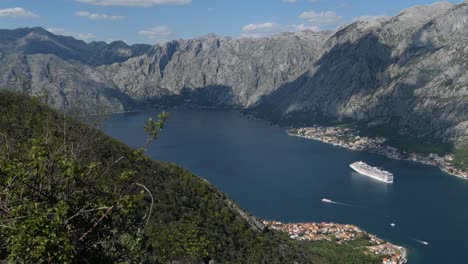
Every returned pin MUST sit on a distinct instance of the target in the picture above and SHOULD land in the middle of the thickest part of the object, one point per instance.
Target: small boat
(325, 200)
(422, 242)
(392, 224)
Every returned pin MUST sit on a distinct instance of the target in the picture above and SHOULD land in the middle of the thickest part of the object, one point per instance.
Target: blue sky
(152, 21)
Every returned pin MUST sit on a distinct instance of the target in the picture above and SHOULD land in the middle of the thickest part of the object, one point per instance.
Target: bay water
(279, 177)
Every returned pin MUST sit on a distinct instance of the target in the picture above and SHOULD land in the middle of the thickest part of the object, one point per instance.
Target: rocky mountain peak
(424, 11)
(416, 16)
(119, 44)
(409, 70)
(40, 41)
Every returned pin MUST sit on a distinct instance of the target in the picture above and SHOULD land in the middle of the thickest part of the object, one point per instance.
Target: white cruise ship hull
(357, 169)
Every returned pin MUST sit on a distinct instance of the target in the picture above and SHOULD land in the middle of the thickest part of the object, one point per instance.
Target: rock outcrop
(245, 69)
(408, 70)
(64, 85)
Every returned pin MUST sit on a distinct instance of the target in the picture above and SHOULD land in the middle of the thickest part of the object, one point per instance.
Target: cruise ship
(373, 172)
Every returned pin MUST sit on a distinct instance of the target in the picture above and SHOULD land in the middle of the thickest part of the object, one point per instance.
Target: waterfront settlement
(349, 138)
(339, 233)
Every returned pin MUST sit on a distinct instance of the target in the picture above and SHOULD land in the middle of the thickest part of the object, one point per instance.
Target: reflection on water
(367, 184)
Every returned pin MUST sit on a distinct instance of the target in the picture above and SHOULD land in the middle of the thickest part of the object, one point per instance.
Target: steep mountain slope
(190, 221)
(66, 85)
(225, 71)
(244, 69)
(40, 41)
(407, 71)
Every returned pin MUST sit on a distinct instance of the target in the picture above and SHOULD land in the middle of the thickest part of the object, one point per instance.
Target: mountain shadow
(347, 71)
(213, 96)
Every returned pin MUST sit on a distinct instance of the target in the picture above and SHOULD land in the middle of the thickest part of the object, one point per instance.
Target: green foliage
(461, 158)
(361, 242)
(348, 254)
(188, 241)
(406, 141)
(52, 206)
(56, 205)
(39, 237)
(153, 128)
(69, 194)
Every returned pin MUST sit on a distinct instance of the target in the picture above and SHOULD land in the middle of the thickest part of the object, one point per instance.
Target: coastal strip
(342, 234)
(350, 139)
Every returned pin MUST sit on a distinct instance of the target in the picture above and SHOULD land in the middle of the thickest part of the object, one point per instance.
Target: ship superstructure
(373, 172)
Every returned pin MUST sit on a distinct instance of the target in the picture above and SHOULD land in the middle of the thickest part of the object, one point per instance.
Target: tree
(153, 128)
(60, 199)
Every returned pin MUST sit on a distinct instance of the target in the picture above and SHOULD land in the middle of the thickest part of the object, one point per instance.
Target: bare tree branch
(86, 211)
(97, 223)
(152, 202)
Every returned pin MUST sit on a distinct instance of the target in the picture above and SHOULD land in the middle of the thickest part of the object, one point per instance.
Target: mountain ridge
(37, 40)
(409, 70)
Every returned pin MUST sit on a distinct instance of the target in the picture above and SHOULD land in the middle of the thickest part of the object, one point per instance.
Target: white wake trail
(423, 242)
(325, 200)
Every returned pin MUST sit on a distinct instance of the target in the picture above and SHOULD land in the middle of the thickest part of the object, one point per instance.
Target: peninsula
(342, 234)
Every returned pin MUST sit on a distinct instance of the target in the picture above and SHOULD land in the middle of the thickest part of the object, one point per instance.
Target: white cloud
(17, 12)
(327, 18)
(262, 29)
(94, 16)
(77, 35)
(134, 2)
(270, 28)
(159, 33)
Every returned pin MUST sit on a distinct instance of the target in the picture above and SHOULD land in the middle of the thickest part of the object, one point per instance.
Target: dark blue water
(275, 176)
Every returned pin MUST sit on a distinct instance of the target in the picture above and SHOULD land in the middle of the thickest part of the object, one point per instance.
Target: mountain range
(407, 71)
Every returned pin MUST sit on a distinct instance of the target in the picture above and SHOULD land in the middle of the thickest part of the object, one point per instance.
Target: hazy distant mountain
(40, 41)
(66, 85)
(409, 70)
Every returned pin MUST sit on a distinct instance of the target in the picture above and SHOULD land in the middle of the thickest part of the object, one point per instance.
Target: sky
(154, 21)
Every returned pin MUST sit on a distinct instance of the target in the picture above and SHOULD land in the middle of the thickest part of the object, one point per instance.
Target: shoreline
(404, 254)
(375, 146)
(342, 234)
(384, 245)
(414, 157)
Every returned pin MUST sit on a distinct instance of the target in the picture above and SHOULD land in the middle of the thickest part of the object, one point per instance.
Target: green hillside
(70, 194)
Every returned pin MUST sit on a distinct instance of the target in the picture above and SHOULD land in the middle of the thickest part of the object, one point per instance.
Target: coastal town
(349, 138)
(339, 233)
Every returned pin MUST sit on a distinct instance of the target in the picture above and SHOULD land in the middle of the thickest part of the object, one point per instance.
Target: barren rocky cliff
(409, 70)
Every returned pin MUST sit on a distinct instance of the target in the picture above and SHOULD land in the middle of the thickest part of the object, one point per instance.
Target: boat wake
(325, 200)
(421, 241)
